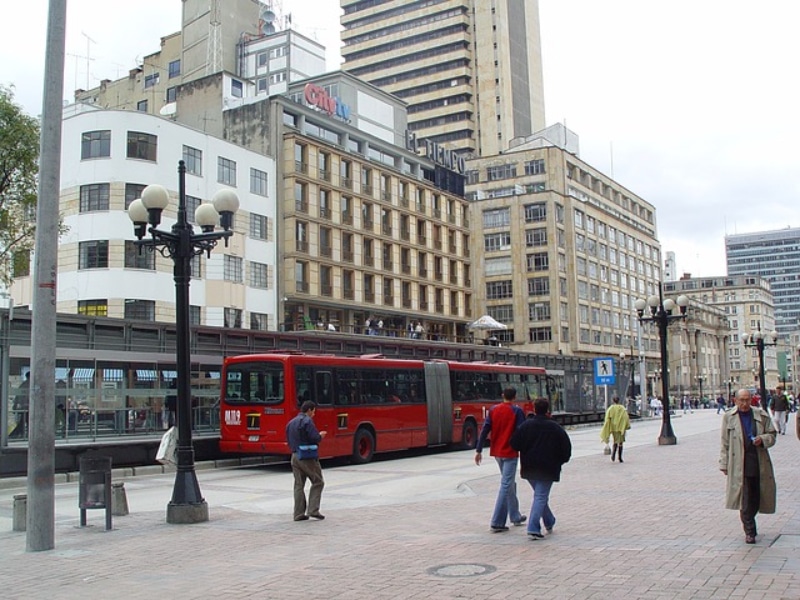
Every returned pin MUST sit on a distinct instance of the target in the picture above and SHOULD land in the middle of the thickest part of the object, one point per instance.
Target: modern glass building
(775, 256)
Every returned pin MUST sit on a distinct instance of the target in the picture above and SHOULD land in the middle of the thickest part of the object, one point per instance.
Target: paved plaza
(418, 527)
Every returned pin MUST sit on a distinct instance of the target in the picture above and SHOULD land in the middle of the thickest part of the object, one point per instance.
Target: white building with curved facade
(107, 158)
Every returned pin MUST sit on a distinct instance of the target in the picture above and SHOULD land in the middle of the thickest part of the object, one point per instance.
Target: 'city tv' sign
(317, 96)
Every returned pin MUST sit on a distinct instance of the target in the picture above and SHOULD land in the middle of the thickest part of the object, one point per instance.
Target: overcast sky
(692, 104)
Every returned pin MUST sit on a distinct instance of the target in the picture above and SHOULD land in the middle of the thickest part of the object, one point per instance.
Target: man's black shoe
(301, 518)
(316, 516)
(498, 529)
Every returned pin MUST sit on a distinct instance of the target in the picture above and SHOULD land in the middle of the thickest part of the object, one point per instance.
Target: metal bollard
(20, 516)
(119, 501)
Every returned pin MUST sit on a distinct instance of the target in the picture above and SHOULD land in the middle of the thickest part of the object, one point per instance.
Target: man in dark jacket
(543, 447)
(303, 439)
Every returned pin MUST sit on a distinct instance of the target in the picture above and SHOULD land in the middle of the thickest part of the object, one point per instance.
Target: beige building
(366, 233)
(563, 251)
(716, 348)
(471, 72)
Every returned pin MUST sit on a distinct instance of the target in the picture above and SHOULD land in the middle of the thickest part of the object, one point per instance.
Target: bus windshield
(254, 383)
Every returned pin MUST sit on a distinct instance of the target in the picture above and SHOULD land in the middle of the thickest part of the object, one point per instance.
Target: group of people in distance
(543, 447)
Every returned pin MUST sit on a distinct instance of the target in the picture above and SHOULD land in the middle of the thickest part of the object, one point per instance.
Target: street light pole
(181, 244)
(700, 381)
(661, 315)
(758, 341)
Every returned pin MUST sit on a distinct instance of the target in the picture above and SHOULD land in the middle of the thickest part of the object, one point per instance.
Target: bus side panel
(440, 404)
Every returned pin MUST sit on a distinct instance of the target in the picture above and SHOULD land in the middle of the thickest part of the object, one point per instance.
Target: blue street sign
(604, 371)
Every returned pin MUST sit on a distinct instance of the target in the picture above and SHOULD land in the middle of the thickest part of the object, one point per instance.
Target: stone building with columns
(724, 311)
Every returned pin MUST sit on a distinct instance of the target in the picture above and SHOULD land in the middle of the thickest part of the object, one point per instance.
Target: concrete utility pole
(40, 520)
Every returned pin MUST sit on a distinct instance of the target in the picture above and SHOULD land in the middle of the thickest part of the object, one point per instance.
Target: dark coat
(543, 447)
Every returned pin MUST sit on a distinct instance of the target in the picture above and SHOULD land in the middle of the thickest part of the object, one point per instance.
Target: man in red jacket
(501, 421)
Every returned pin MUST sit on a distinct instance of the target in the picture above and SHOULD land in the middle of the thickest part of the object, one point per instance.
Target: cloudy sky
(691, 104)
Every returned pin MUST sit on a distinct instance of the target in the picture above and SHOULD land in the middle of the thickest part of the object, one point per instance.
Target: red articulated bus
(366, 404)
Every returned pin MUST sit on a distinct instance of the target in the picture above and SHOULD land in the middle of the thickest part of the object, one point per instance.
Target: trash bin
(94, 486)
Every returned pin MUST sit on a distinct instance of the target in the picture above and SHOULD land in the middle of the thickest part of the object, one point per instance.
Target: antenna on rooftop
(214, 55)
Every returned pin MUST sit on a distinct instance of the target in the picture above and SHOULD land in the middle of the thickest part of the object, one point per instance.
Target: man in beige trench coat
(747, 432)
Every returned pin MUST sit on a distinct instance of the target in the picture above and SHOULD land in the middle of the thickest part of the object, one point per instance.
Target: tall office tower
(775, 256)
(471, 72)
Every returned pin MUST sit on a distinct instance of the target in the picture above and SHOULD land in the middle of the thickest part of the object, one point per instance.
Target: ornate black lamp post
(700, 379)
(661, 315)
(181, 244)
(759, 341)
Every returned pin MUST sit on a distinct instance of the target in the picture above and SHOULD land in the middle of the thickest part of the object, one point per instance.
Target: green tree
(19, 155)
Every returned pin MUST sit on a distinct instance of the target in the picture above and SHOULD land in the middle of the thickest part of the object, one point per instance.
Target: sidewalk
(417, 528)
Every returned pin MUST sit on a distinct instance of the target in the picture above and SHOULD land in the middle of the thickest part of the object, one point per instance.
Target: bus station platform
(416, 526)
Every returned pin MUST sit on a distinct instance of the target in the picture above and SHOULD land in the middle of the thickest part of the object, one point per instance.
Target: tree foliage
(19, 167)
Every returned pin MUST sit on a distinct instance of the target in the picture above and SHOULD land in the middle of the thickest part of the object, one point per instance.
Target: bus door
(325, 418)
(440, 403)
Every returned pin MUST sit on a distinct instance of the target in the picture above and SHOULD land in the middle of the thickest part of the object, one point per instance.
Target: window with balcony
(539, 286)
(367, 212)
(301, 235)
(347, 247)
(538, 262)
(388, 251)
(325, 205)
(300, 158)
(324, 165)
(369, 288)
(496, 290)
(301, 197)
(346, 204)
(494, 242)
(348, 284)
(366, 181)
(386, 221)
(346, 174)
(301, 277)
(325, 242)
(369, 252)
(388, 291)
(326, 281)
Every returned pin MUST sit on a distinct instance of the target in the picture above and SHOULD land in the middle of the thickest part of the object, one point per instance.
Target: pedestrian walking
(780, 409)
(544, 447)
(501, 421)
(303, 439)
(747, 432)
(616, 423)
(720, 403)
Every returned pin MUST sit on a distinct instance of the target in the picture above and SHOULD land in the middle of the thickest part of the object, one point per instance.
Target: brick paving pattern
(651, 528)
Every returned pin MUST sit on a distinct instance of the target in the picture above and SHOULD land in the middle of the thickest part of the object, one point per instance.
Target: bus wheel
(363, 446)
(469, 435)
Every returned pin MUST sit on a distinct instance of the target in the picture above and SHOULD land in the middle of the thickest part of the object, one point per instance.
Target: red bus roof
(379, 360)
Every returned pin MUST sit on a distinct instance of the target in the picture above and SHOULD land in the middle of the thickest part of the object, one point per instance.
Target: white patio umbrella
(486, 323)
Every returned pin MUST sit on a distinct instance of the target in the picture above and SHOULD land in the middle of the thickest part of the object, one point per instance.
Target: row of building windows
(144, 146)
(94, 254)
(373, 285)
(145, 310)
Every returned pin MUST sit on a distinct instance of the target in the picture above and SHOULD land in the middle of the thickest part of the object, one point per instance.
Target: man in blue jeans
(501, 421)
(543, 447)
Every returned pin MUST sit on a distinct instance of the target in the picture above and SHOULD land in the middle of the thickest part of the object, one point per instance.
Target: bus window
(303, 384)
(324, 381)
(255, 383)
(347, 387)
